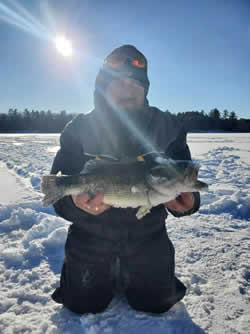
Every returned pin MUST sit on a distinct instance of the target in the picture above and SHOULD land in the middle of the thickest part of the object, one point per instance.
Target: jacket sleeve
(179, 150)
(69, 160)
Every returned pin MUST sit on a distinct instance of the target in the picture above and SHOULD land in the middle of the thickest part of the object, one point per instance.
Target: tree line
(50, 122)
(34, 121)
(213, 120)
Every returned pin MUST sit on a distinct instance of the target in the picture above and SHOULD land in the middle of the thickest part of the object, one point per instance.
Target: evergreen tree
(232, 116)
(225, 114)
(215, 114)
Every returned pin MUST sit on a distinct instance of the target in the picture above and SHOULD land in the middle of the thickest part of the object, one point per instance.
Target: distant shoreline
(216, 131)
(27, 133)
(192, 131)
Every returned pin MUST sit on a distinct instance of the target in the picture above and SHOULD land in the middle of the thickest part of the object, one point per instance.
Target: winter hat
(127, 69)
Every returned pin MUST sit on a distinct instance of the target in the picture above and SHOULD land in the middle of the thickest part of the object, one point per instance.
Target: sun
(63, 46)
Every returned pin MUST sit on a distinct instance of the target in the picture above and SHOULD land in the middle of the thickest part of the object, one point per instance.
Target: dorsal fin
(93, 166)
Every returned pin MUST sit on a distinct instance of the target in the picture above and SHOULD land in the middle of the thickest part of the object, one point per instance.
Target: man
(122, 126)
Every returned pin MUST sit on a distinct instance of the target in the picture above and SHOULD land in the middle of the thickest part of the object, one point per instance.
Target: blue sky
(198, 52)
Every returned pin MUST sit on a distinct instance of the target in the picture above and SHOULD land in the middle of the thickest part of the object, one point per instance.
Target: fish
(134, 184)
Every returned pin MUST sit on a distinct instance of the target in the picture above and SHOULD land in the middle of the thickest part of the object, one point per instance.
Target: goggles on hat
(116, 61)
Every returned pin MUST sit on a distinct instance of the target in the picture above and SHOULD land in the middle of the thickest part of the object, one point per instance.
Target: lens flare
(13, 13)
(63, 46)
(21, 18)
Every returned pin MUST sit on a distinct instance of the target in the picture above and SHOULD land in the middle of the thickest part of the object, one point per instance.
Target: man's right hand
(94, 206)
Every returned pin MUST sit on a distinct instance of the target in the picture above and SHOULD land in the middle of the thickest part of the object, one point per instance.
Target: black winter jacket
(95, 134)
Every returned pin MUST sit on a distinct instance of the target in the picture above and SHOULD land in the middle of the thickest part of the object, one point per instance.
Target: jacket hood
(107, 74)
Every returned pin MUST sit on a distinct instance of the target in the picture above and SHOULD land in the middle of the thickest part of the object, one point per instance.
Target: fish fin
(51, 190)
(93, 166)
(142, 211)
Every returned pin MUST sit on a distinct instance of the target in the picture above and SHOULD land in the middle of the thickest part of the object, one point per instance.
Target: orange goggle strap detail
(117, 61)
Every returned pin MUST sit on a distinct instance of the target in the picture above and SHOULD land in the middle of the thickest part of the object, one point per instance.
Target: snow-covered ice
(212, 246)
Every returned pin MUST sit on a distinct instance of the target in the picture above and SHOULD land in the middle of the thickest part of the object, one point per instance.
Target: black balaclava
(113, 124)
(108, 74)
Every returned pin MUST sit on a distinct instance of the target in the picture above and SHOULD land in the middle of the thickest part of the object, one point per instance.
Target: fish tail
(198, 185)
(51, 190)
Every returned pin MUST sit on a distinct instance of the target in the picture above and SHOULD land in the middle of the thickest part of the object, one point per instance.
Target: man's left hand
(183, 203)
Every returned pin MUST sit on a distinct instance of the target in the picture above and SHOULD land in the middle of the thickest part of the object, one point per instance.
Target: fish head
(176, 175)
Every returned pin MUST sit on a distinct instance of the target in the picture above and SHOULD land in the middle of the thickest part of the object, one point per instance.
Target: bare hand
(183, 203)
(94, 206)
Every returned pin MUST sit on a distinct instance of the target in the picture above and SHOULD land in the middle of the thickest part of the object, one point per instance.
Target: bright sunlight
(63, 46)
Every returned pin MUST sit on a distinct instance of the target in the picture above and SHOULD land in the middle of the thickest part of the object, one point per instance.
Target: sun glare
(63, 46)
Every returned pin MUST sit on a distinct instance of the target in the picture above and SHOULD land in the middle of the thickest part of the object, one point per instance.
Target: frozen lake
(212, 246)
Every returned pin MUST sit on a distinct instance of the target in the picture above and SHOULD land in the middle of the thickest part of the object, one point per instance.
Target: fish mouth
(192, 174)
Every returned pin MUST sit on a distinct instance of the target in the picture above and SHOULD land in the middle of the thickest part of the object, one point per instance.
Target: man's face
(126, 94)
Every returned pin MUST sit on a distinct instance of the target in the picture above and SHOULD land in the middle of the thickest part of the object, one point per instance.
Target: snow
(212, 246)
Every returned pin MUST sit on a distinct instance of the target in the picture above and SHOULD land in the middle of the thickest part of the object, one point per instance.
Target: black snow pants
(147, 268)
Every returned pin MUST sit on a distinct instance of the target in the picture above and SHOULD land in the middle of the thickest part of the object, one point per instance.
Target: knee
(153, 301)
(149, 305)
(82, 308)
(85, 305)
(82, 303)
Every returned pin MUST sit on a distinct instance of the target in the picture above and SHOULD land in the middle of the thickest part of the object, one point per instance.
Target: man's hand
(183, 203)
(94, 206)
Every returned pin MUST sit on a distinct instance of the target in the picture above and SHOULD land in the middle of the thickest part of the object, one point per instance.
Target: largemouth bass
(127, 184)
